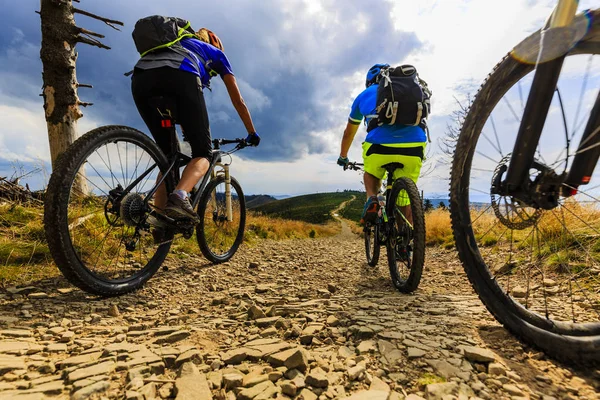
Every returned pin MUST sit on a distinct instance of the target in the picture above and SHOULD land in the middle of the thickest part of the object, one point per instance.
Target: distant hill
(313, 208)
(258, 200)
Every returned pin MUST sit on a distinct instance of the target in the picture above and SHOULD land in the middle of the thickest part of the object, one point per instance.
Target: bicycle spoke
(108, 166)
(496, 135)
(581, 95)
(120, 160)
(489, 158)
(512, 110)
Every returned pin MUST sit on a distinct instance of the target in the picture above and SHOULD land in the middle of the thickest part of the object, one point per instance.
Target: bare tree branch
(91, 42)
(109, 22)
(84, 104)
(85, 85)
(448, 142)
(90, 33)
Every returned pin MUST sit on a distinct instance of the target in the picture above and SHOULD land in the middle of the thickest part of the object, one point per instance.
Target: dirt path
(303, 319)
(346, 232)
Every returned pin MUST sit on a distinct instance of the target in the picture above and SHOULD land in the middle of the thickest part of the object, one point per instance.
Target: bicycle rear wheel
(372, 247)
(219, 236)
(537, 271)
(96, 229)
(405, 244)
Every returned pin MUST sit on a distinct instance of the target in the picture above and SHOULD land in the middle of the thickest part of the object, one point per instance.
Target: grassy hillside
(258, 200)
(312, 208)
(354, 208)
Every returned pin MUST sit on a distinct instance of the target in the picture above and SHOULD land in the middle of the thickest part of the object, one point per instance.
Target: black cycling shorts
(185, 89)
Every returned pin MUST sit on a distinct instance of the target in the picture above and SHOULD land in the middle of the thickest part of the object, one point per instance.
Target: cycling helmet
(373, 74)
(208, 36)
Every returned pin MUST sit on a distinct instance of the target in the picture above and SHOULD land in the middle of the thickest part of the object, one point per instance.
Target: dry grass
(437, 228)
(263, 227)
(24, 254)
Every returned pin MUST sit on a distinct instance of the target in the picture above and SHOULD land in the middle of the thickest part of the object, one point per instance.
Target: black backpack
(157, 32)
(402, 98)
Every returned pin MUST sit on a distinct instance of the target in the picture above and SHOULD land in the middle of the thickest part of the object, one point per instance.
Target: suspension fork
(228, 201)
(538, 102)
(588, 153)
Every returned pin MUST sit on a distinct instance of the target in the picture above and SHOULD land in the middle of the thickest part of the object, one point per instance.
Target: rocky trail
(297, 319)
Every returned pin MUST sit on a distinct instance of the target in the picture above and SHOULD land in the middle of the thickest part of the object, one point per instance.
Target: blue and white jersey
(364, 105)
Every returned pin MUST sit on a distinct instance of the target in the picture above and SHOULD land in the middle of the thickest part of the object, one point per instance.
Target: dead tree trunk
(58, 54)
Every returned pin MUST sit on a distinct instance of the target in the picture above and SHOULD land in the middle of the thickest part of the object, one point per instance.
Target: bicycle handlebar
(353, 166)
(229, 141)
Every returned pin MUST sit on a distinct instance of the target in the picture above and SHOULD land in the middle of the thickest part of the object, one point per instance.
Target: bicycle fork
(534, 117)
(228, 201)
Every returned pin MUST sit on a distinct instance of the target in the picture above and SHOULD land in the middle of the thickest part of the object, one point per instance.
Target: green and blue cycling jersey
(364, 105)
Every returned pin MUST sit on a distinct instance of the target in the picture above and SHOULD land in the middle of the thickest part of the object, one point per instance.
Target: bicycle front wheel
(372, 248)
(95, 212)
(406, 239)
(222, 220)
(536, 270)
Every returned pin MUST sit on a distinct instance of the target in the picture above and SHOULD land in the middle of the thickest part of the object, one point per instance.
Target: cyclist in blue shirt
(166, 73)
(384, 144)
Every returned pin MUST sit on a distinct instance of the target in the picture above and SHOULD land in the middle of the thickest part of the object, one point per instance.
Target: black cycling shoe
(178, 208)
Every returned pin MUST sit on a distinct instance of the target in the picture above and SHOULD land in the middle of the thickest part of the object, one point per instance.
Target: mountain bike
(400, 227)
(524, 209)
(100, 219)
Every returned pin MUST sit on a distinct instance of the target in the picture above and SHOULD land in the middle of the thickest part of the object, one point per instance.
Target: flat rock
(191, 384)
(413, 352)
(173, 337)
(8, 363)
(254, 391)
(90, 390)
(317, 378)
(478, 354)
(16, 333)
(291, 359)
(16, 347)
(104, 368)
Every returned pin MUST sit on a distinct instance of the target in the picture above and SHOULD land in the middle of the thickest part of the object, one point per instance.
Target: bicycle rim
(221, 231)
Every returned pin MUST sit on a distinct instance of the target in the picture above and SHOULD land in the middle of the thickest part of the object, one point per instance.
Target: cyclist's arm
(349, 133)
(238, 102)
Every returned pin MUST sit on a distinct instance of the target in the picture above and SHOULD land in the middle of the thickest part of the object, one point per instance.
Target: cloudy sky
(299, 64)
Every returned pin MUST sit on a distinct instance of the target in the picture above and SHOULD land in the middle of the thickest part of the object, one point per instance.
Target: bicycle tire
(417, 261)
(201, 228)
(371, 233)
(56, 213)
(561, 340)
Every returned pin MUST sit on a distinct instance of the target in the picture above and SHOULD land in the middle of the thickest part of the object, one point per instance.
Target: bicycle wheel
(93, 225)
(372, 248)
(406, 243)
(537, 271)
(218, 236)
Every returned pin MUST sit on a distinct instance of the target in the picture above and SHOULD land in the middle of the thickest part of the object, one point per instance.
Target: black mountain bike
(524, 207)
(404, 241)
(100, 216)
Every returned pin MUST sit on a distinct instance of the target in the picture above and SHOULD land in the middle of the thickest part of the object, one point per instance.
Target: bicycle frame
(178, 160)
(534, 117)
